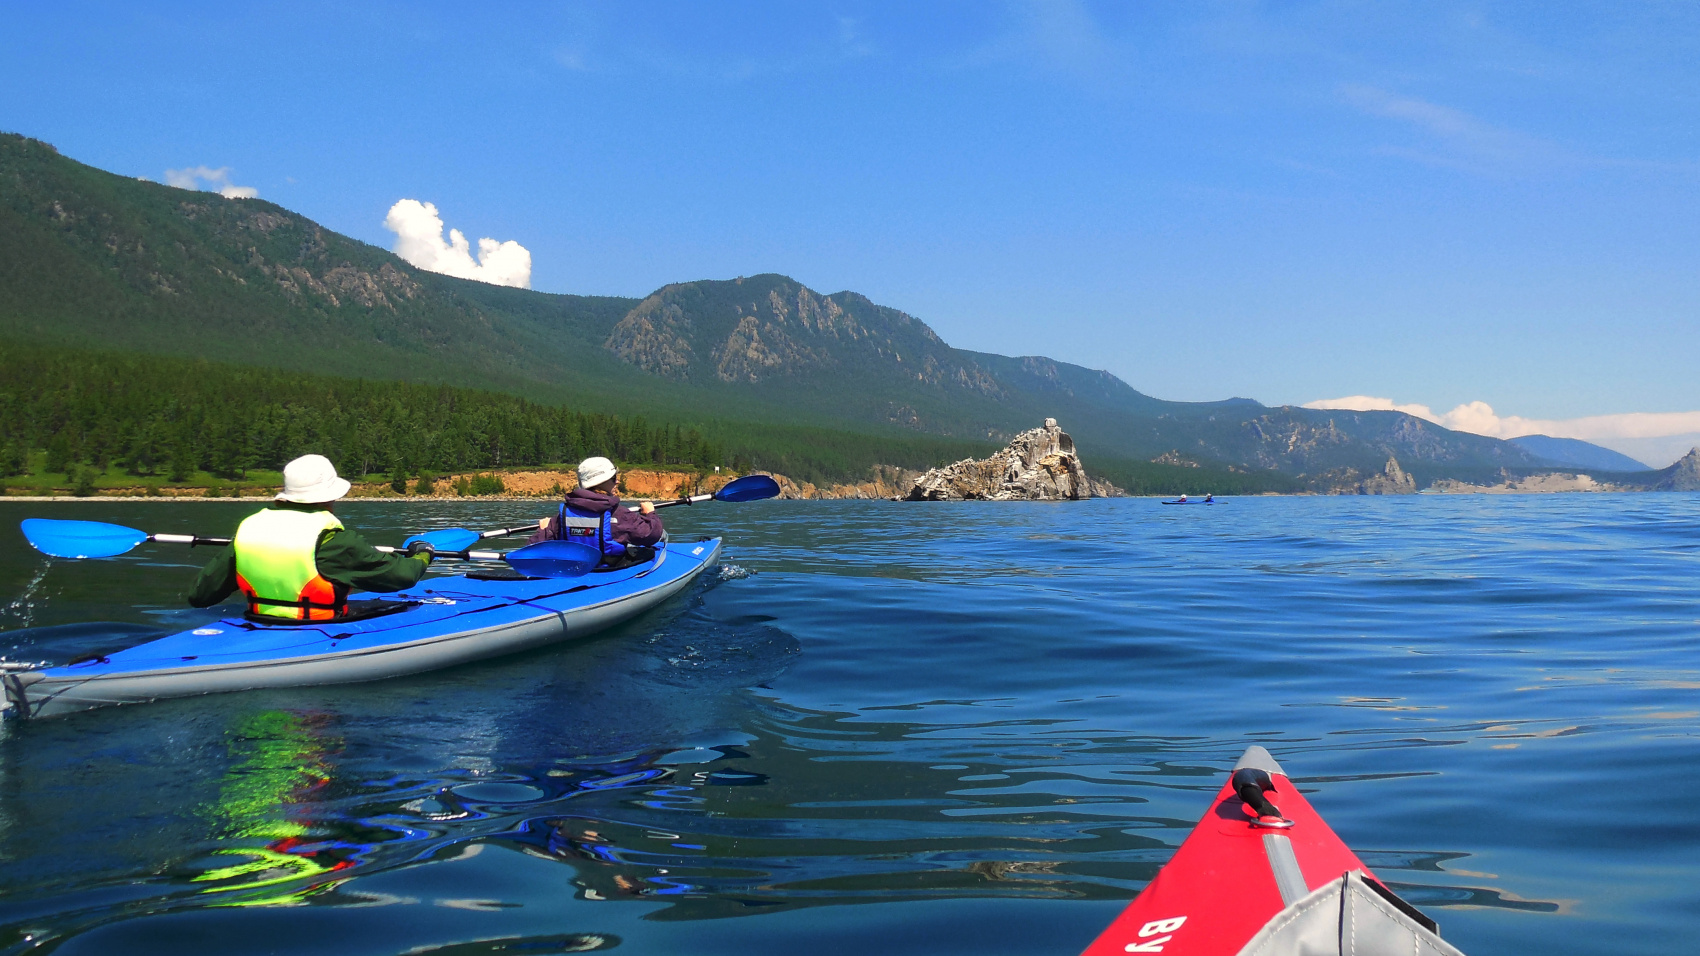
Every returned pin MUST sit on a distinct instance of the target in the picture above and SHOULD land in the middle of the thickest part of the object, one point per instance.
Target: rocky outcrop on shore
(884, 481)
(1682, 476)
(1039, 465)
(1391, 480)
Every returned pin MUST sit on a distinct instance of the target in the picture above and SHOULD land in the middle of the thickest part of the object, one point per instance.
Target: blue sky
(1432, 203)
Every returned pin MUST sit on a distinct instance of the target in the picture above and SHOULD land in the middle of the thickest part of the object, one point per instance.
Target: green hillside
(63, 411)
(92, 260)
(96, 260)
(66, 413)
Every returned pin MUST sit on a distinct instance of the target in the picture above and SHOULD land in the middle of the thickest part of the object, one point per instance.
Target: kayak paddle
(97, 539)
(551, 559)
(94, 539)
(747, 488)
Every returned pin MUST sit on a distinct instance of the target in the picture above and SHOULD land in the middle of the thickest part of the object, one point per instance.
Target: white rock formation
(1039, 465)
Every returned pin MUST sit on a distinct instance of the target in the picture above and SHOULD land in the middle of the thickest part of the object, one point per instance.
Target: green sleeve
(216, 581)
(345, 558)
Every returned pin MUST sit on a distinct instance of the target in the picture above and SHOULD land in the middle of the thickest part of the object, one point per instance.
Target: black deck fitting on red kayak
(1251, 783)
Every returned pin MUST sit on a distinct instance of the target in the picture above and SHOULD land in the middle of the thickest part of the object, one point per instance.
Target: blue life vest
(596, 530)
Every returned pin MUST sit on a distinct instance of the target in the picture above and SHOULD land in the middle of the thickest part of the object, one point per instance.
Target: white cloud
(1459, 138)
(1057, 35)
(1369, 403)
(851, 41)
(216, 180)
(419, 239)
(1657, 438)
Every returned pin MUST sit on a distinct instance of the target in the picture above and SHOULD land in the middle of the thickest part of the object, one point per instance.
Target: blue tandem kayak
(447, 620)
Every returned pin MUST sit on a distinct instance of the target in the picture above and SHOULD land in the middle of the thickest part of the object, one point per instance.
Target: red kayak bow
(1262, 874)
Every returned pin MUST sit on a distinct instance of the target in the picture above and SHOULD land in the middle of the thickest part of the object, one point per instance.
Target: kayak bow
(1262, 875)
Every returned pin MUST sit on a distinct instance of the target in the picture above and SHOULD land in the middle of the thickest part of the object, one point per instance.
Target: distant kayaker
(1209, 499)
(1182, 499)
(294, 560)
(591, 514)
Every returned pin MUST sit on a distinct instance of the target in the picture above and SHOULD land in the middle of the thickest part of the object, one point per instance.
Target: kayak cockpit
(1352, 915)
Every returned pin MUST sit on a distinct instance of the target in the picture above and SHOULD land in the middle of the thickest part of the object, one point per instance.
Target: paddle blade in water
(448, 539)
(555, 559)
(80, 539)
(748, 488)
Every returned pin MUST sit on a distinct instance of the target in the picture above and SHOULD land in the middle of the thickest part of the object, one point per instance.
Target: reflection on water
(983, 734)
(279, 761)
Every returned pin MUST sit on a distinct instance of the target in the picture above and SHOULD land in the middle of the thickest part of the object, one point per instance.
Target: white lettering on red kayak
(1165, 926)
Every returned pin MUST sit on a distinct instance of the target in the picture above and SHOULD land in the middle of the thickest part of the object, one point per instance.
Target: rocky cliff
(1391, 480)
(883, 481)
(1682, 476)
(1039, 465)
(764, 327)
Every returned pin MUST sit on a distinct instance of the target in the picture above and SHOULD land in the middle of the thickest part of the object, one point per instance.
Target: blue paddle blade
(748, 488)
(448, 539)
(554, 559)
(80, 539)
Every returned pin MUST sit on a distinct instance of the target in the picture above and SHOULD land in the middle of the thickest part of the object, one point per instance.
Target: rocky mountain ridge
(750, 329)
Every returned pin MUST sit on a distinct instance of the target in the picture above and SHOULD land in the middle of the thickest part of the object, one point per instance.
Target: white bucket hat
(311, 480)
(594, 471)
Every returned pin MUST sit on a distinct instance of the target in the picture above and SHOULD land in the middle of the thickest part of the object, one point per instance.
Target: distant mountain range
(1578, 454)
(93, 260)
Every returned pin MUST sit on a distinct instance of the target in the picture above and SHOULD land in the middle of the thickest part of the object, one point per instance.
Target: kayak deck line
(1289, 879)
(322, 638)
(463, 619)
(1261, 874)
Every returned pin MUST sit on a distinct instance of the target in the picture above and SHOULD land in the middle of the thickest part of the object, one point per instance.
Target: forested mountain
(92, 259)
(97, 261)
(165, 419)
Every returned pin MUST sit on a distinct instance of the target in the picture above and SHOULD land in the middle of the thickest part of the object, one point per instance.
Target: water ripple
(1004, 726)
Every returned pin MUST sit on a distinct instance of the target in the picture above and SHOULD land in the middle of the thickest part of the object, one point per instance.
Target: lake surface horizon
(913, 727)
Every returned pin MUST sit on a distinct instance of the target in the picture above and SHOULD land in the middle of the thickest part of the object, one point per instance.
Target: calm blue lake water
(899, 728)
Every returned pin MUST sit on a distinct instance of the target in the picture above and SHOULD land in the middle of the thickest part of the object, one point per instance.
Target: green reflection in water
(280, 762)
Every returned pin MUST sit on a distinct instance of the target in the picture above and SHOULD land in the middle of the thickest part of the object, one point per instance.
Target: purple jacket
(630, 527)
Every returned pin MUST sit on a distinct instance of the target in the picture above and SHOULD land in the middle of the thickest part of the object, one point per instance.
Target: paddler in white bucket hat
(294, 561)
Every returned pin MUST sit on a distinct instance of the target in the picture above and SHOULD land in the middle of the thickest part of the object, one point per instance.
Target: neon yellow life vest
(276, 566)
